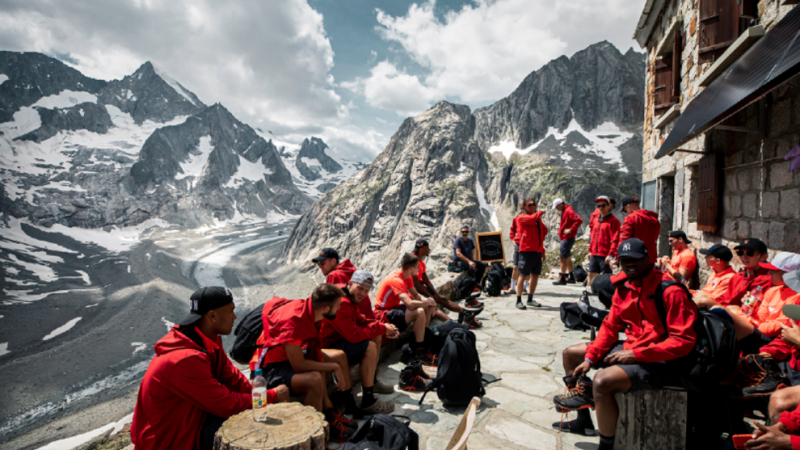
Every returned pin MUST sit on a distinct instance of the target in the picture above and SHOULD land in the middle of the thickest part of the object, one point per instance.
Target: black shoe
(413, 378)
(575, 426)
(473, 303)
(520, 305)
(571, 279)
(427, 358)
(763, 376)
(348, 403)
(534, 304)
(569, 381)
(579, 397)
(562, 280)
(340, 431)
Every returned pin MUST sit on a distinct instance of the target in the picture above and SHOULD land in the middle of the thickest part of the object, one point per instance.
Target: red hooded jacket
(642, 225)
(287, 322)
(531, 232)
(350, 325)
(569, 219)
(634, 310)
(741, 284)
(341, 276)
(184, 382)
(605, 236)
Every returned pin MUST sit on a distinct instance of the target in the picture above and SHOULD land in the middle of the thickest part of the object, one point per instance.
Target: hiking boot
(521, 305)
(534, 304)
(575, 426)
(579, 397)
(571, 279)
(569, 381)
(474, 323)
(340, 431)
(763, 376)
(380, 407)
(413, 378)
(473, 303)
(382, 388)
(428, 358)
(562, 280)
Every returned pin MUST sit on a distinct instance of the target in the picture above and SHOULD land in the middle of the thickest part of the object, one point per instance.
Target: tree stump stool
(652, 420)
(289, 426)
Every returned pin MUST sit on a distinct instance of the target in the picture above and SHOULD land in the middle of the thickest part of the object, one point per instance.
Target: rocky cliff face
(312, 158)
(570, 130)
(91, 153)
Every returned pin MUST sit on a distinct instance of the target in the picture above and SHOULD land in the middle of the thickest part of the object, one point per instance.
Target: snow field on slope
(194, 165)
(117, 240)
(62, 329)
(173, 84)
(253, 171)
(75, 441)
(3, 78)
(65, 99)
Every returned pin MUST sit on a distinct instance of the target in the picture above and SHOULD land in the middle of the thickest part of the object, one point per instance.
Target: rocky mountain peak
(312, 159)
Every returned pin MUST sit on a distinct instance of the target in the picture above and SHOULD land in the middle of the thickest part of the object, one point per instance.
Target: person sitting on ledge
(339, 273)
(683, 262)
(637, 363)
(425, 287)
(290, 353)
(718, 258)
(464, 256)
(400, 304)
(360, 339)
(751, 252)
(191, 387)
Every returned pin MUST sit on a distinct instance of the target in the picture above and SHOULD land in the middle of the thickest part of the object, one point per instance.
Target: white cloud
(390, 89)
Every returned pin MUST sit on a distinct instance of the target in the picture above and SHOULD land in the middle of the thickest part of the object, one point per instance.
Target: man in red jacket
(190, 387)
(751, 252)
(360, 339)
(567, 231)
(339, 273)
(604, 239)
(531, 233)
(640, 224)
(512, 235)
(637, 363)
(290, 353)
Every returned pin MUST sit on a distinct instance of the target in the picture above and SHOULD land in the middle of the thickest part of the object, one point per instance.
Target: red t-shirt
(421, 270)
(390, 289)
(683, 259)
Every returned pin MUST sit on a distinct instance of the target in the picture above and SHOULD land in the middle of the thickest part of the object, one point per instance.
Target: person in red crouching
(191, 387)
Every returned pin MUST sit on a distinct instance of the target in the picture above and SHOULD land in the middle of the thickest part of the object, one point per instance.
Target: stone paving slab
(523, 348)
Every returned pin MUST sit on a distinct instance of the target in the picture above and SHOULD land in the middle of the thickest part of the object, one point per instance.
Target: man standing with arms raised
(567, 231)
(531, 233)
(640, 224)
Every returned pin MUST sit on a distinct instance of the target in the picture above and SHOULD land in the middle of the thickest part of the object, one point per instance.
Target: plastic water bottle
(751, 302)
(259, 397)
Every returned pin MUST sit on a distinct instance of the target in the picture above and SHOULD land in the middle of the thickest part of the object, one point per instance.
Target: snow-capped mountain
(90, 153)
(313, 171)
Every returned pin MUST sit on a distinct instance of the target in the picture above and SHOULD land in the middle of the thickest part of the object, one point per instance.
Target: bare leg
(608, 382)
(742, 326)
(369, 364)
(418, 317)
(441, 315)
(783, 400)
(564, 265)
(340, 358)
(312, 384)
(521, 284)
(532, 285)
(572, 357)
(592, 276)
(570, 266)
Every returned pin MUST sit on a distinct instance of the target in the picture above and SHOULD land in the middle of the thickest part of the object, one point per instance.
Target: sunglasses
(603, 205)
(531, 204)
(749, 253)
(465, 232)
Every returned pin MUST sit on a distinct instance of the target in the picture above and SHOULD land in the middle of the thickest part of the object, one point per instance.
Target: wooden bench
(652, 420)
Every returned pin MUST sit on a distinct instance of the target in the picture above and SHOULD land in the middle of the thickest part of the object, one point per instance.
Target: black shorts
(397, 317)
(643, 376)
(753, 342)
(530, 263)
(597, 264)
(355, 352)
(515, 259)
(277, 374)
(565, 248)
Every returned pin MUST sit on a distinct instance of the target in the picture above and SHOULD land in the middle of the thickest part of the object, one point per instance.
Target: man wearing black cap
(683, 262)
(640, 224)
(718, 258)
(637, 363)
(425, 287)
(751, 252)
(191, 387)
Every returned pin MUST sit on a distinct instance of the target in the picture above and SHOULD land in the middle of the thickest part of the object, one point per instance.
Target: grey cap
(364, 278)
(792, 279)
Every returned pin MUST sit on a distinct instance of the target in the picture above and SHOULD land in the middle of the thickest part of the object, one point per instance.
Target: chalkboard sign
(490, 247)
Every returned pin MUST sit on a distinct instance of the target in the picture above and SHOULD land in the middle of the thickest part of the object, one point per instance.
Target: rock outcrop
(312, 157)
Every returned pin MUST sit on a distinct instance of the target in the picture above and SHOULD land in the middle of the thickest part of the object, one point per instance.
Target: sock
(585, 418)
(414, 345)
(367, 398)
(606, 443)
(513, 285)
(530, 297)
(519, 299)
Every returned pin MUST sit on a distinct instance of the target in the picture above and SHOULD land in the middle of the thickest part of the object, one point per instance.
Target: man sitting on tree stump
(191, 387)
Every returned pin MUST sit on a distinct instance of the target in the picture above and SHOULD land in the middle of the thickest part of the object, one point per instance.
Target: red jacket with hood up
(633, 308)
(184, 382)
(530, 232)
(569, 219)
(605, 236)
(341, 276)
(642, 225)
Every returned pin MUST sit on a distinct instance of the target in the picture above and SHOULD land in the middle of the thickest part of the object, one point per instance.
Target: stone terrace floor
(524, 349)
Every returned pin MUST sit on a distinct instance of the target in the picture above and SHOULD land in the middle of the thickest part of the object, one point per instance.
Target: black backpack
(247, 333)
(435, 337)
(465, 287)
(580, 274)
(571, 316)
(384, 432)
(458, 377)
(604, 288)
(716, 352)
(496, 279)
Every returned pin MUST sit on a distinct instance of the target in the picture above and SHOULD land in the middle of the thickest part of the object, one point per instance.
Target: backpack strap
(443, 368)
(658, 298)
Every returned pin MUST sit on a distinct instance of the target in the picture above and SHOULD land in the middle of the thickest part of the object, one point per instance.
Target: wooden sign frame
(478, 246)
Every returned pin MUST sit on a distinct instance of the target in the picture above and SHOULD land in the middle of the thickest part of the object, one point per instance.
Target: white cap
(785, 261)
(602, 197)
(557, 202)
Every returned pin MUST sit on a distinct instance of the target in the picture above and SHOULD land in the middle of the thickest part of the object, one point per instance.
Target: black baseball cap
(679, 234)
(752, 244)
(204, 300)
(629, 199)
(421, 243)
(718, 251)
(632, 248)
(326, 253)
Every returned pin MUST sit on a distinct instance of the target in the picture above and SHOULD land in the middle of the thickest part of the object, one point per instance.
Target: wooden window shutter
(664, 84)
(676, 67)
(708, 194)
(719, 27)
(748, 9)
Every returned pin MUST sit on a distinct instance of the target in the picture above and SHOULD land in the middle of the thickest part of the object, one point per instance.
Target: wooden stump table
(289, 426)
(652, 420)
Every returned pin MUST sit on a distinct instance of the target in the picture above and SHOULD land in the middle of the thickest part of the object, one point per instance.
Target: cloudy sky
(348, 71)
